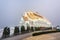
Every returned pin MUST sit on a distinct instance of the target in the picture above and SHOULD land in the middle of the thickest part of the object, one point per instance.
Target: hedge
(45, 32)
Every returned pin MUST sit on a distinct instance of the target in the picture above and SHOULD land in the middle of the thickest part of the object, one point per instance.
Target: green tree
(6, 32)
(16, 30)
(22, 29)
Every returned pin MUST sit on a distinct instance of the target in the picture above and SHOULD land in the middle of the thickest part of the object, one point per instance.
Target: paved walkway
(28, 36)
(19, 37)
(50, 36)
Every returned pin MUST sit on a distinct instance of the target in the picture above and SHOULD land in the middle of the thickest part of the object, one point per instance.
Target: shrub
(32, 29)
(37, 28)
(16, 30)
(6, 32)
(44, 32)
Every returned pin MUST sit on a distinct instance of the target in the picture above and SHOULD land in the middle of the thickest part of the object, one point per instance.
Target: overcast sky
(12, 10)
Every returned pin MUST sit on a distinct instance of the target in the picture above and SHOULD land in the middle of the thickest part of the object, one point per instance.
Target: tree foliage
(22, 29)
(16, 30)
(6, 32)
(28, 28)
(32, 28)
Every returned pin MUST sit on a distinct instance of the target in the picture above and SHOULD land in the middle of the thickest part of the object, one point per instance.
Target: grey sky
(12, 10)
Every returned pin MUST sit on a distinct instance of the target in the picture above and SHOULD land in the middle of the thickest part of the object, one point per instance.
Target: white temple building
(34, 19)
